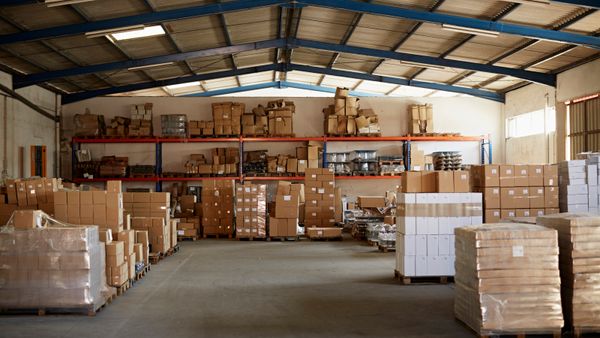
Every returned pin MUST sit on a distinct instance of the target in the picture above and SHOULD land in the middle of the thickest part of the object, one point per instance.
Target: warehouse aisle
(220, 288)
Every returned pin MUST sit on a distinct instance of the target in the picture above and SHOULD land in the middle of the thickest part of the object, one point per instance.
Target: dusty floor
(223, 288)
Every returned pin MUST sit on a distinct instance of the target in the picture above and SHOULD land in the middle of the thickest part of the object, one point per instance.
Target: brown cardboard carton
(551, 197)
(27, 219)
(428, 183)
(536, 197)
(486, 175)
(114, 186)
(411, 181)
(507, 176)
(99, 197)
(492, 216)
(491, 198)
(508, 213)
(521, 175)
(550, 211)
(60, 198)
(536, 175)
(523, 213)
(115, 248)
(73, 197)
(550, 175)
(461, 181)
(313, 153)
(444, 181)
(371, 201)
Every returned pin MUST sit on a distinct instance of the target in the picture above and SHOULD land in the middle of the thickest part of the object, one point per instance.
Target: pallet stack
(578, 182)
(56, 266)
(227, 118)
(507, 279)
(421, 118)
(141, 120)
(283, 222)
(319, 218)
(579, 241)
(251, 211)
(35, 194)
(217, 208)
(151, 211)
(280, 115)
(340, 116)
(255, 123)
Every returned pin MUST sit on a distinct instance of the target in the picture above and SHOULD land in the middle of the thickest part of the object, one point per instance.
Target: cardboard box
(507, 176)
(508, 213)
(428, 182)
(521, 175)
(536, 175)
(551, 197)
(491, 198)
(536, 197)
(486, 175)
(462, 181)
(371, 201)
(444, 181)
(411, 181)
(114, 186)
(492, 215)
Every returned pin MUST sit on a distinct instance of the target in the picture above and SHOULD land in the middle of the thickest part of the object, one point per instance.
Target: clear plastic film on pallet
(51, 265)
(579, 241)
(507, 279)
(251, 210)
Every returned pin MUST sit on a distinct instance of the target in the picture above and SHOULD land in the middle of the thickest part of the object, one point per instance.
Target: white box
(423, 198)
(435, 266)
(420, 265)
(476, 197)
(464, 221)
(476, 220)
(406, 225)
(444, 245)
(444, 226)
(406, 198)
(444, 198)
(421, 245)
(574, 199)
(432, 226)
(422, 225)
(433, 243)
(571, 163)
(454, 222)
(452, 245)
(592, 172)
(463, 197)
(571, 181)
(574, 208)
(581, 189)
(406, 244)
(409, 266)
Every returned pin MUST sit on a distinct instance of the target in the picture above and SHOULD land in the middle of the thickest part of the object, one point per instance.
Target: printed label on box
(518, 251)
(287, 198)
(180, 232)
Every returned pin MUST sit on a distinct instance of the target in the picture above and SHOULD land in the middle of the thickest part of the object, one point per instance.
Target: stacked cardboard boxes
(227, 116)
(284, 217)
(102, 208)
(516, 190)
(251, 210)
(434, 181)
(50, 267)
(579, 255)
(578, 182)
(89, 124)
(159, 232)
(340, 116)
(201, 128)
(119, 126)
(128, 239)
(150, 211)
(117, 269)
(174, 125)
(256, 123)
(319, 184)
(142, 238)
(187, 228)
(217, 207)
(507, 279)
(35, 193)
(141, 120)
(425, 224)
(421, 118)
(280, 115)
(309, 157)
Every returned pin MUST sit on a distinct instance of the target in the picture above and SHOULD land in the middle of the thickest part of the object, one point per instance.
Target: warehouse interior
(315, 168)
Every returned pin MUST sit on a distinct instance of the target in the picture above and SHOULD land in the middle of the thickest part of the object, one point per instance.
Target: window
(541, 121)
(583, 124)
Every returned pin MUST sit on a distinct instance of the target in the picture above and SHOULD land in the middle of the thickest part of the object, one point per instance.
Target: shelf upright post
(74, 148)
(325, 152)
(407, 156)
(158, 164)
(241, 155)
(489, 149)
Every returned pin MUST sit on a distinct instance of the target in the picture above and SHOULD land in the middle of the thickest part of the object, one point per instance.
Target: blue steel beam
(162, 83)
(28, 80)
(581, 3)
(139, 19)
(282, 67)
(439, 18)
(542, 78)
(275, 84)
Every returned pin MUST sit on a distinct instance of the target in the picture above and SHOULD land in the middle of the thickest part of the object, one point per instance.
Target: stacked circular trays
(339, 162)
(447, 160)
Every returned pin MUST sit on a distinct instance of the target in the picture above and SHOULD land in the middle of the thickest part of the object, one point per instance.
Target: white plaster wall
(469, 116)
(27, 127)
(578, 82)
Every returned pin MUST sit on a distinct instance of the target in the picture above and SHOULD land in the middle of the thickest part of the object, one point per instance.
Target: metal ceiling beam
(27, 80)
(162, 83)
(543, 78)
(583, 3)
(283, 67)
(275, 84)
(467, 22)
(410, 33)
(139, 19)
(228, 41)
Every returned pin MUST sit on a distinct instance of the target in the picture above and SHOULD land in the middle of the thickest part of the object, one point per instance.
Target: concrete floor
(221, 288)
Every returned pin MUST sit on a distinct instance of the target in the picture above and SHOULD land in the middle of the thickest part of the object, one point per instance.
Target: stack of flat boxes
(516, 190)
(284, 217)
(251, 210)
(35, 194)
(187, 227)
(150, 211)
(227, 117)
(101, 208)
(51, 267)
(425, 230)
(319, 217)
(578, 181)
(141, 120)
(217, 207)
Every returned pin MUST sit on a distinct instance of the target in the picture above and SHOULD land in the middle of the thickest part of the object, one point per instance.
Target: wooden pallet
(173, 175)
(283, 238)
(369, 134)
(142, 175)
(372, 243)
(422, 280)
(340, 135)
(89, 310)
(218, 236)
(154, 258)
(188, 238)
(383, 248)
(121, 289)
(435, 134)
(580, 332)
(175, 137)
(141, 274)
(326, 239)
(251, 238)
(364, 173)
(176, 248)
(539, 333)
(282, 135)
(226, 136)
(390, 174)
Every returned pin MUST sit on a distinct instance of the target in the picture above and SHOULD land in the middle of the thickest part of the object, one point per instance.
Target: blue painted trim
(146, 18)
(583, 3)
(28, 80)
(66, 99)
(543, 78)
(276, 84)
(399, 81)
(434, 17)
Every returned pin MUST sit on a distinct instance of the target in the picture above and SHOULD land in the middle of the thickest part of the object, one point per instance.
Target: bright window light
(184, 85)
(139, 33)
(532, 123)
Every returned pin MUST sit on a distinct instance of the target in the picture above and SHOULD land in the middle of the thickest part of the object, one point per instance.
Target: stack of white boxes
(425, 230)
(578, 184)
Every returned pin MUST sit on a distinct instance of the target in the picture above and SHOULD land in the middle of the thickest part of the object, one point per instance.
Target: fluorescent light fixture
(139, 33)
(532, 2)
(467, 30)
(422, 65)
(56, 3)
(183, 85)
(105, 32)
(150, 66)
